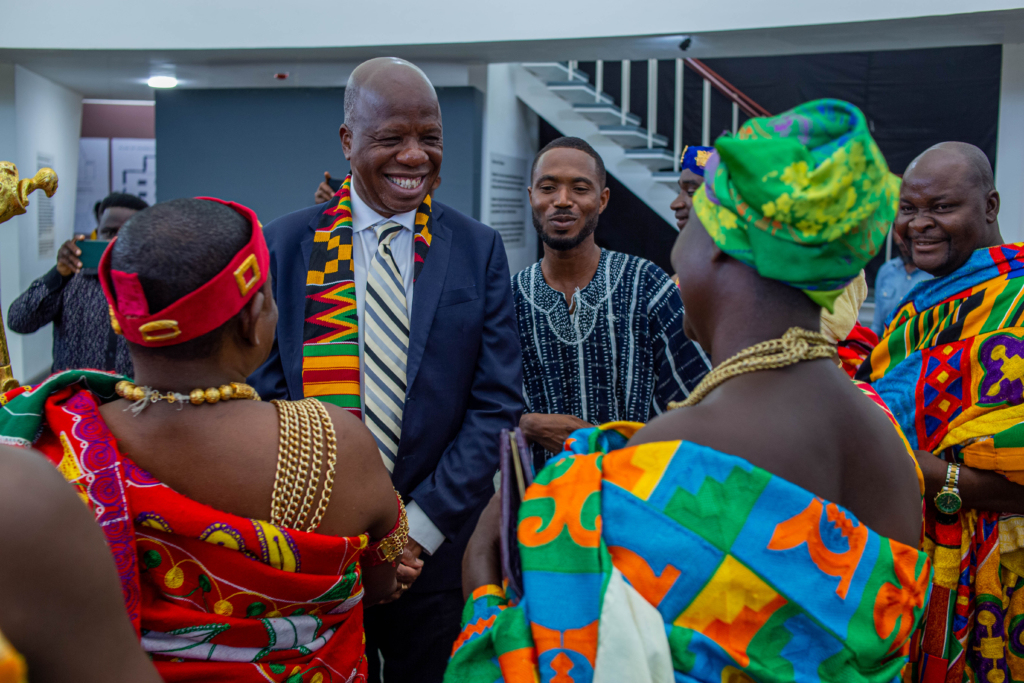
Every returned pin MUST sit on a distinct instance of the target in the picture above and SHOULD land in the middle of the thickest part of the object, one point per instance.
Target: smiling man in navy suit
(400, 309)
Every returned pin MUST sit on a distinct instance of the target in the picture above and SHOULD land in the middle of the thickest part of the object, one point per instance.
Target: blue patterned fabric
(621, 356)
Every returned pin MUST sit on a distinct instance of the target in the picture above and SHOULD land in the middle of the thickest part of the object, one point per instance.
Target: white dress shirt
(364, 247)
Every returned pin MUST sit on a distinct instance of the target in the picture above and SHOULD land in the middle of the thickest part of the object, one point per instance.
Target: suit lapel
(427, 293)
(306, 248)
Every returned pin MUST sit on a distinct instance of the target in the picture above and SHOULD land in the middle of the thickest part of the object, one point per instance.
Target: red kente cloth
(214, 596)
(856, 348)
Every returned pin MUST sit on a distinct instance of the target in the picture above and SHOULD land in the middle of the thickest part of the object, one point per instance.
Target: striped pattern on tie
(385, 346)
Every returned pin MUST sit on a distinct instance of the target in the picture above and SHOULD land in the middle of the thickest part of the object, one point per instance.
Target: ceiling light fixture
(162, 82)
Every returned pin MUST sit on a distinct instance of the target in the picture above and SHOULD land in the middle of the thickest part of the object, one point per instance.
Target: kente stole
(330, 335)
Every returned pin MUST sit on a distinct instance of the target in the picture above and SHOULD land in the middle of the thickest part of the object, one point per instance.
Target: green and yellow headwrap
(805, 197)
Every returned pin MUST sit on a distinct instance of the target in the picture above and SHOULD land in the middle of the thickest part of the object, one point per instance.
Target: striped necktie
(385, 346)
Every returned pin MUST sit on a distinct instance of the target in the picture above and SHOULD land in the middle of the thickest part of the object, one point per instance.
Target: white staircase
(638, 157)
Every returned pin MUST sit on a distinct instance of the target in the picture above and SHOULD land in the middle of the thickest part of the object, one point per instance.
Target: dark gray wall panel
(268, 149)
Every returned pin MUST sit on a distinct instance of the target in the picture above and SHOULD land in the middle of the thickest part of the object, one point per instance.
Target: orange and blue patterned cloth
(213, 596)
(951, 368)
(752, 577)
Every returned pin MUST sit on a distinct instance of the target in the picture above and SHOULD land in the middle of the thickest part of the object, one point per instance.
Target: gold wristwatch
(948, 500)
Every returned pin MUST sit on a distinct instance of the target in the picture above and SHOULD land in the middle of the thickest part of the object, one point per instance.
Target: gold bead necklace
(143, 396)
(305, 427)
(796, 345)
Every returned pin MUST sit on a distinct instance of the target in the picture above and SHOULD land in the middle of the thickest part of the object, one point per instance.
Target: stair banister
(625, 90)
(705, 130)
(677, 141)
(652, 101)
(749, 106)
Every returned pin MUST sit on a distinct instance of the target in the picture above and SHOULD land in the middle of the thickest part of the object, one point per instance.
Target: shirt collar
(364, 217)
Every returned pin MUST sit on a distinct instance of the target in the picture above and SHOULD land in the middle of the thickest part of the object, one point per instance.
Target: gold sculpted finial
(13, 200)
(14, 193)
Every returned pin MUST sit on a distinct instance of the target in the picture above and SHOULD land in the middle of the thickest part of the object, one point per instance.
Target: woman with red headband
(247, 535)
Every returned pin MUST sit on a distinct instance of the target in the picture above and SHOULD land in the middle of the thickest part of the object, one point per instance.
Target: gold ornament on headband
(13, 201)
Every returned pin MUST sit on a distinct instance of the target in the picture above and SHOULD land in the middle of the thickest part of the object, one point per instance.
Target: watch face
(948, 502)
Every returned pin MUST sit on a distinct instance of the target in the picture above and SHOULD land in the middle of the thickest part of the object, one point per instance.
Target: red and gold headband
(197, 313)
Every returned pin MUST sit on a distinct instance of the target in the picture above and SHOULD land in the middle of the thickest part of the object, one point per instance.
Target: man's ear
(345, 133)
(250, 316)
(992, 206)
(605, 194)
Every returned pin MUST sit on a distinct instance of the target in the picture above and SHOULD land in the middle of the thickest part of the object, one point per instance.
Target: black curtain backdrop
(912, 99)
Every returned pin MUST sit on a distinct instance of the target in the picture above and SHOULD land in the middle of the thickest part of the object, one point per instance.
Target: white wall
(200, 24)
(510, 129)
(47, 120)
(8, 152)
(1010, 150)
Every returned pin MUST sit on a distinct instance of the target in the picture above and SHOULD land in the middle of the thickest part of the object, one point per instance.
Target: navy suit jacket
(464, 374)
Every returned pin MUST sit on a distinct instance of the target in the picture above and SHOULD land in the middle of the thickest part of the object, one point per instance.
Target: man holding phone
(69, 295)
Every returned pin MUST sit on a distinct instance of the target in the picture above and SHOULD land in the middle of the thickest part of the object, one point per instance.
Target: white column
(511, 132)
(46, 122)
(1010, 148)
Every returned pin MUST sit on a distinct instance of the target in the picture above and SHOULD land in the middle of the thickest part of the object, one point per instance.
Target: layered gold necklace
(796, 345)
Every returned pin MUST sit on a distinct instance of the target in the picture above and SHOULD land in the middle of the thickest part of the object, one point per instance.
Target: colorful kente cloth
(750, 577)
(950, 367)
(214, 596)
(805, 197)
(330, 346)
(856, 348)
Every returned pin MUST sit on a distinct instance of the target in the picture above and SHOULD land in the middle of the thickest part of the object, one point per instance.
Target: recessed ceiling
(122, 74)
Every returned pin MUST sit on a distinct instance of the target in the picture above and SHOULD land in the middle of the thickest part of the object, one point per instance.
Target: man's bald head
(377, 81)
(949, 207)
(972, 162)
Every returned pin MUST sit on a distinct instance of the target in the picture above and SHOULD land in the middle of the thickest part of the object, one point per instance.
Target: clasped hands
(409, 568)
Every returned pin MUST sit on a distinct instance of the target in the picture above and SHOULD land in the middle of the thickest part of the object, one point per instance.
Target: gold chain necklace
(305, 426)
(796, 345)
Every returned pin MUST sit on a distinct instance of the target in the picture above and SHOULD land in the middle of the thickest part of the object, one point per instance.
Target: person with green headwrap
(767, 529)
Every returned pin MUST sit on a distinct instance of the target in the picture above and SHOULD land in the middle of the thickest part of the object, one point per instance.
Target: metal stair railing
(645, 145)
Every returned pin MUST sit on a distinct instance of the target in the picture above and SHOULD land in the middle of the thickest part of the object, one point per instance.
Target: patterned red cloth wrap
(215, 597)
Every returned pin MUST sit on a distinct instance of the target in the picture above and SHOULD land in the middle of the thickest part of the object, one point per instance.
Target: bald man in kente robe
(950, 366)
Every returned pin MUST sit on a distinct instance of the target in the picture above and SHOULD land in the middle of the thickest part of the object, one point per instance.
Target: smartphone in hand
(92, 252)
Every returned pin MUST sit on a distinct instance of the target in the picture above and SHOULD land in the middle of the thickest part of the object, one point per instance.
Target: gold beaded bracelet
(389, 548)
